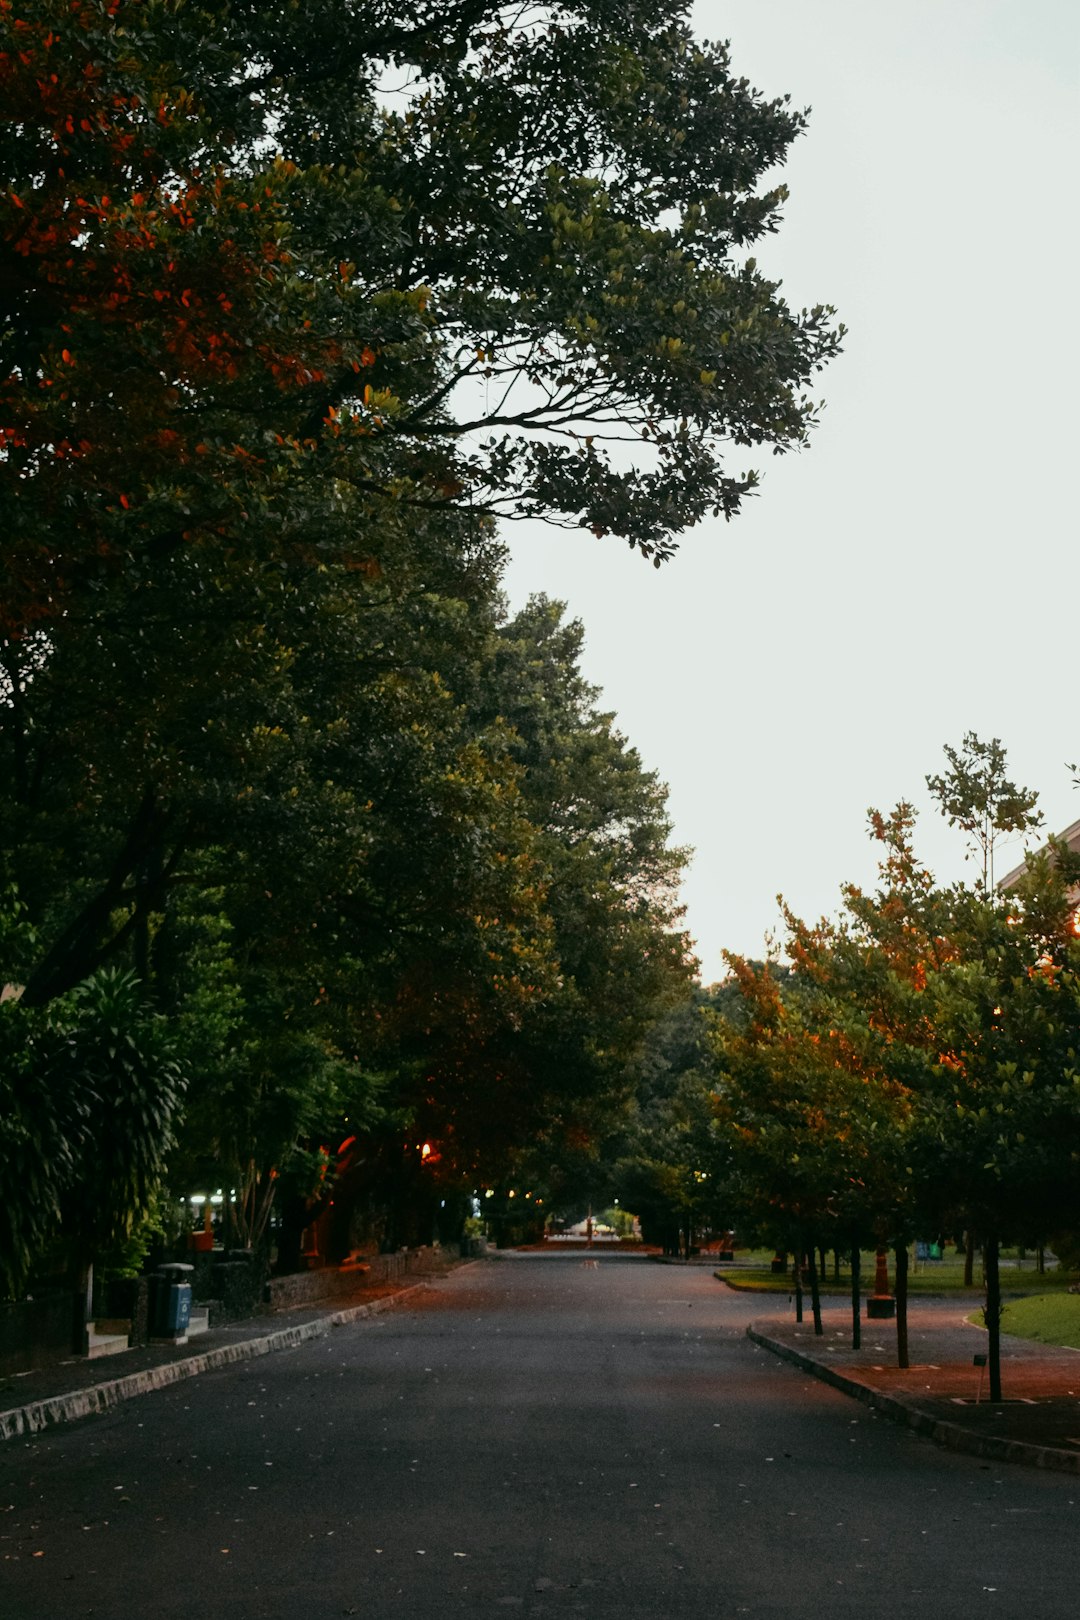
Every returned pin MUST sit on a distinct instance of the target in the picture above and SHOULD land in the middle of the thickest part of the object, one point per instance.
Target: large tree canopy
(297, 305)
(442, 258)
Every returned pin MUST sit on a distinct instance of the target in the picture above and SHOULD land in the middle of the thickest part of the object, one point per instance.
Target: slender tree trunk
(1040, 1260)
(798, 1274)
(969, 1258)
(82, 1305)
(856, 1297)
(836, 1265)
(901, 1291)
(992, 1312)
(815, 1293)
(78, 950)
(148, 899)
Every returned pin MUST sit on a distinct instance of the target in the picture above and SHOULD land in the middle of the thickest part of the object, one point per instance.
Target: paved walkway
(1038, 1421)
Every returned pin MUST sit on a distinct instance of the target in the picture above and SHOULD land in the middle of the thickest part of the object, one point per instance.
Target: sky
(912, 575)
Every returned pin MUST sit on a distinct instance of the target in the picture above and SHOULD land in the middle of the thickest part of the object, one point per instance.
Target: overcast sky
(913, 575)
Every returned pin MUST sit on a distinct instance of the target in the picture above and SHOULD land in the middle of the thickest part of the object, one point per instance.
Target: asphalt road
(537, 1435)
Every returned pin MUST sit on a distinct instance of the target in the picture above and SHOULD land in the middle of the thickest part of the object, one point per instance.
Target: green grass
(1047, 1318)
(928, 1277)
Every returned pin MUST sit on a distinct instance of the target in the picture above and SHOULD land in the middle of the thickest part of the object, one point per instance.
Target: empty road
(535, 1435)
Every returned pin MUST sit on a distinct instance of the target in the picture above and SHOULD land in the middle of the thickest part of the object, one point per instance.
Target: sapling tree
(976, 795)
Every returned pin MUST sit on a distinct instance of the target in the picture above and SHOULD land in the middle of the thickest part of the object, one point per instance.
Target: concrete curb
(44, 1414)
(953, 1436)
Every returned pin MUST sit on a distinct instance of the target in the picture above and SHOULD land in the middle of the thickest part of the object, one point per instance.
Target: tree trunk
(82, 1305)
(856, 1297)
(149, 897)
(798, 1261)
(79, 948)
(992, 1313)
(900, 1290)
(815, 1293)
(969, 1258)
(836, 1265)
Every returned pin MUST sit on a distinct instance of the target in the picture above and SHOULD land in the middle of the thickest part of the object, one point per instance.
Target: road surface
(538, 1435)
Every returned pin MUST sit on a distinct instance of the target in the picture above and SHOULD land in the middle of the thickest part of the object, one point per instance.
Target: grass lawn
(1048, 1318)
(927, 1277)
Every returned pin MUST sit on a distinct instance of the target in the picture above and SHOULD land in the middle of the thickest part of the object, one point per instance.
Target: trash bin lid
(177, 1270)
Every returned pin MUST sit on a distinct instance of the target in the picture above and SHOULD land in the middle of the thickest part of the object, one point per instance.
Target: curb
(950, 1435)
(38, 1415)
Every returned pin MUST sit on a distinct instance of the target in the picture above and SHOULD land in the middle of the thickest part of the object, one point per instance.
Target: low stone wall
(338, 1282)
(233, 1288)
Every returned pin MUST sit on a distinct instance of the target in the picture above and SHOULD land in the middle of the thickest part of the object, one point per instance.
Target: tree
(815, 1128)
(283, 344)
(227, 375)
(977, 796)
(1002, 1118)
(243, 265)
(966, 1004)
(668, 1159)
(547, 1061)
(90, 1091)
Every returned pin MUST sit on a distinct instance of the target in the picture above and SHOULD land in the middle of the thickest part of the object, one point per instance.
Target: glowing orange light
(425, 1151)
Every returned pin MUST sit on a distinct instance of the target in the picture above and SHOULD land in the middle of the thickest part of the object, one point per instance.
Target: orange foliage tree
(920, 1073)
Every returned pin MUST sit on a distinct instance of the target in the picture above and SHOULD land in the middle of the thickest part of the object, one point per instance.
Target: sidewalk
(1037, 1423)
(66, 1390)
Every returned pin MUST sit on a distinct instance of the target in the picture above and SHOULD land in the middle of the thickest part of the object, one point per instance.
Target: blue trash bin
(172, 1306)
